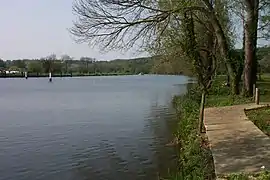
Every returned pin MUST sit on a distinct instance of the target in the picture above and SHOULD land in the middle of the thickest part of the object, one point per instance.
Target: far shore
(35, 75)
(30, 75)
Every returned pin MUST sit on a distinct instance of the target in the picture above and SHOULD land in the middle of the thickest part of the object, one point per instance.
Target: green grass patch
(194, 156)
(261, 176)
(261, 118)
(264, 86)
(219, 95)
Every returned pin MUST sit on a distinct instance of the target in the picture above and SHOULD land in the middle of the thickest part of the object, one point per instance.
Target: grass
(261, 176)
(264, 86)
(219, 95)
(194, 155)
(261, 118)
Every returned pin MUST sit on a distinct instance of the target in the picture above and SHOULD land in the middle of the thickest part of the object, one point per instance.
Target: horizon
(58, 58)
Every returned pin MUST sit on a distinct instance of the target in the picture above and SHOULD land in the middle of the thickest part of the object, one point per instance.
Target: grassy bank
(194, 156)
(261, 118)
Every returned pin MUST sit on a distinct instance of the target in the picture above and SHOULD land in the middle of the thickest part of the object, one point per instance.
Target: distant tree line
(67, 65)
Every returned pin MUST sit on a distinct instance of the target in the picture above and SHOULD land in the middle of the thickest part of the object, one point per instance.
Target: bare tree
(48, 62)
(118, 24)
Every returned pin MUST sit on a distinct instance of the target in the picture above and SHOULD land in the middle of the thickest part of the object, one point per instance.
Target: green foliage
(57, 66)
(264, 86)
(13, 68)
(35, 67)
(168, 63)
(171, 65)
(20, 64)
(264, 19)
(263, 56)
(2, 64)
(86, 66)
(194, 157)
(219, 95)
(195, 160)
(238, 177)
(265, 175)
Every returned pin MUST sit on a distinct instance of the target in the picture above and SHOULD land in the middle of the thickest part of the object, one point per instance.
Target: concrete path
(237, 144)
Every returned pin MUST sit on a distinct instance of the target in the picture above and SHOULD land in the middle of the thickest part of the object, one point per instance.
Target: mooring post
(50, 77)
(25, 75)
(257, 96)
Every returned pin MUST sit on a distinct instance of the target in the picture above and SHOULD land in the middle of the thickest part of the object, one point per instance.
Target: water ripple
(87, 128)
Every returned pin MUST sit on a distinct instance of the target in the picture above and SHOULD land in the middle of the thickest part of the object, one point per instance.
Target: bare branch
(120, 23)
(117, 24)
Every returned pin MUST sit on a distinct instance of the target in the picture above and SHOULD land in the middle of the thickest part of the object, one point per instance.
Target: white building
(12, 72)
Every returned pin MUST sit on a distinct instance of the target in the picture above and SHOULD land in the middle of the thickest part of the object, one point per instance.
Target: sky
(38, 28)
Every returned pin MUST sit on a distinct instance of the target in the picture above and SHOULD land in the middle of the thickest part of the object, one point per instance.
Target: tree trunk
(201, 124)
(251, 26)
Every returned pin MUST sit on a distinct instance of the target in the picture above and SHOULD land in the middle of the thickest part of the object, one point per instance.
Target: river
(98, 128)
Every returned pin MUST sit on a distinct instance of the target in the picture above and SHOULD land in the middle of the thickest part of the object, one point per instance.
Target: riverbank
(194, 155)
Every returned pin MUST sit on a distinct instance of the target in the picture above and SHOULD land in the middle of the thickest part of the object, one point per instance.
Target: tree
(256, 21)
(35, 67)
(119, 24)
(20, 64)
(264, 20)
(265, 63)
(2, 64)
(250, 44)
(66, 59)
(85, 61)
(48, 63)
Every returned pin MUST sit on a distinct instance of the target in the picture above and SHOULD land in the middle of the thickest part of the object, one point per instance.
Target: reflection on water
(87, 128)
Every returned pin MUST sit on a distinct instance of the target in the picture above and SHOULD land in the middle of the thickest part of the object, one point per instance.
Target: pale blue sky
(37, 28)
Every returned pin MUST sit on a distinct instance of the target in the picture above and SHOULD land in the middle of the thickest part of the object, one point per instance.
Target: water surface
(87, 128)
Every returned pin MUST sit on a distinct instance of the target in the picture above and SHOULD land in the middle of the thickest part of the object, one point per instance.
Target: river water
(94, 128)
